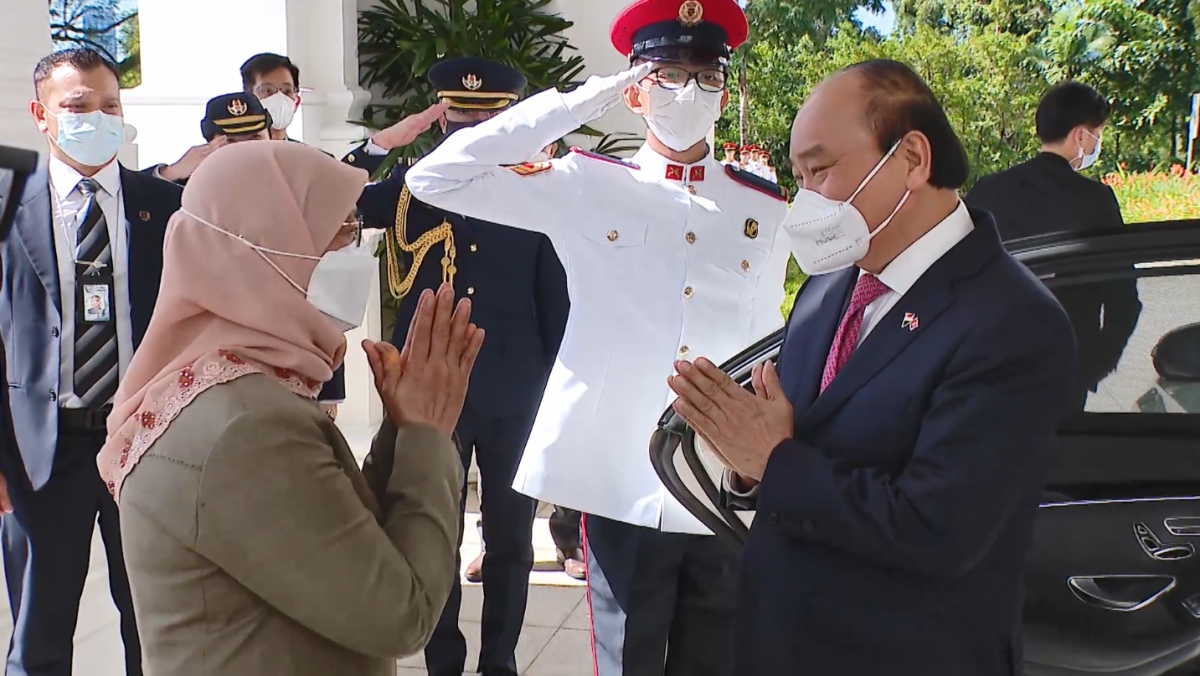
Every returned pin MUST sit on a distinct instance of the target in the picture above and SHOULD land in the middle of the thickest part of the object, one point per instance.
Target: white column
(24, 39)
(192, 50)
(323, 42)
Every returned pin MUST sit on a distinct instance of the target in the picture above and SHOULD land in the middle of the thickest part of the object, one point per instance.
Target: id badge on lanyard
(93, 296)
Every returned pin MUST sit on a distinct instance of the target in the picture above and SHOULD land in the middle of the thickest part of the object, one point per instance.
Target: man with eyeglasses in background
(669, 256)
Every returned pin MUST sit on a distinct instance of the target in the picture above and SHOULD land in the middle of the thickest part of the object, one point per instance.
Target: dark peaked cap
(472, 83)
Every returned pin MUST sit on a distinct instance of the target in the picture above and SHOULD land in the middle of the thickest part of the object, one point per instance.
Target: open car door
(1113, 575)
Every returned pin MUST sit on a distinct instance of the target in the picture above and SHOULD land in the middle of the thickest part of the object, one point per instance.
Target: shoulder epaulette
(529, 168)
(757, 182)
(605, 158)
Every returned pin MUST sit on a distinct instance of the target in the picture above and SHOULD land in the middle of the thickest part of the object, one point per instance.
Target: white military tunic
(654, 273)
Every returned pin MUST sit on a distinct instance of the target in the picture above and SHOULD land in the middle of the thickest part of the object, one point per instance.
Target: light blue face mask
(91, 139)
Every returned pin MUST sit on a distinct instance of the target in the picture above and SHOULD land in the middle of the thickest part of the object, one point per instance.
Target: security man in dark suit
(1047, 194)
(81, 272)
(234, 118)
(518, 291)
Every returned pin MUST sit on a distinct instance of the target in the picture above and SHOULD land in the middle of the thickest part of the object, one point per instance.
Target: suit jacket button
(474, 247)
(470, 291)
(54, 332)
(773, 517)
(53, 395)
(808, 527)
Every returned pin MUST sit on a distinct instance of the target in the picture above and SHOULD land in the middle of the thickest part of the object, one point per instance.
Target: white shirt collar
(649, 161)
(907, 268)
(64, 178)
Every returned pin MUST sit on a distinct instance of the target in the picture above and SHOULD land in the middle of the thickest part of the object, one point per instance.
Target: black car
(1113, 576)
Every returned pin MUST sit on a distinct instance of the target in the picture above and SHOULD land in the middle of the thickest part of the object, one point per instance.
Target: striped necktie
(97, 361)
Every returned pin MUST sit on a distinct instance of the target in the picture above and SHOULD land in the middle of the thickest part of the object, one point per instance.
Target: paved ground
(554, 641)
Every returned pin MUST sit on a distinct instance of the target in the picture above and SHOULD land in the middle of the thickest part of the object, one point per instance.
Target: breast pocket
(616, 237)
(745, 256)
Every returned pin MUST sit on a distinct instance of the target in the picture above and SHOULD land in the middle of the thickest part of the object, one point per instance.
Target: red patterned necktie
(867, 290)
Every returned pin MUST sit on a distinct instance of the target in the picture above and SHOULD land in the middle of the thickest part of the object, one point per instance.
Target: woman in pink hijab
(253, 542)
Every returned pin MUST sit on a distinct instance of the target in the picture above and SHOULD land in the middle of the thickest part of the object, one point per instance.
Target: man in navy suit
(518, 291)
(85, 227)
(895, 459)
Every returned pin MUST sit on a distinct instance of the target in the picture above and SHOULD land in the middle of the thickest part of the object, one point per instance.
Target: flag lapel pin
(910, 322)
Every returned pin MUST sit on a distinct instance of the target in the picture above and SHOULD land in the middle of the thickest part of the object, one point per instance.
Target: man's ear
(724, 99)
(917, 153)
(636, 99)
(442, 123)
(40, 115)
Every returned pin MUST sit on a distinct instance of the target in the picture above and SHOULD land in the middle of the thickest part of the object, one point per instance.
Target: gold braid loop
(397, 238)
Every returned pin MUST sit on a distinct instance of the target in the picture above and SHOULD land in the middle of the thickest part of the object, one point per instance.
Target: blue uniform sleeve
(377, 204)
(553, 302)
(359, 157)
(979, 455)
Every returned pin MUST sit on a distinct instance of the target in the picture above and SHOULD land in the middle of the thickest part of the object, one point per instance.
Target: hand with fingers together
(742, 427)
(408, 129)
(426, 382)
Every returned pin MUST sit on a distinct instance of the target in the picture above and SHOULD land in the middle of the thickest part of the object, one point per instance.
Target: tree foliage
(987, 82)
(989, 61)
(399, 40)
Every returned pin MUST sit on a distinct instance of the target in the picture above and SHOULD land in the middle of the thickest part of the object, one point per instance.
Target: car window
(1138, 333)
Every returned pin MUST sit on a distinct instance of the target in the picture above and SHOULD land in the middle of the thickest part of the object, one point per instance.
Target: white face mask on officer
(282, 110)
(828, 235)
(340, 286)
(680, 118)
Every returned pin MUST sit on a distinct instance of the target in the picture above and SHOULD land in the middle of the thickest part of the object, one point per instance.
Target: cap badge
(751, 229)
(237, 107)
(691, 13)
(472, 82)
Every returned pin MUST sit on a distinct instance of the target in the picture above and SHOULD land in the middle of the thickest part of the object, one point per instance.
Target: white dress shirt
(655, 273)
(899, 276)
(67, 204)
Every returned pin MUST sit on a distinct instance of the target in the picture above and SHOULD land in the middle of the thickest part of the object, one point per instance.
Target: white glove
(599, 94)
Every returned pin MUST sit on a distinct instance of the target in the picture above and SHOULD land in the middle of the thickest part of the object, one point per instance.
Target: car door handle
(1156, 549)
(1183, 526)
(1120, 593)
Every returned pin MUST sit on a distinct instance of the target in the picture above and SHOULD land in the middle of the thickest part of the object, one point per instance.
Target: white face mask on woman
(681, 118)
(340, 286)
(828, 235)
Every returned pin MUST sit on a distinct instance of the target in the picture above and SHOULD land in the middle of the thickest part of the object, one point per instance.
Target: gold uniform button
(474, 247)
(746, 265)
(687, 292)
(470, 290)
(684, 350)
(350, 159)
(690, 237)
(691, 189)
(612, 235)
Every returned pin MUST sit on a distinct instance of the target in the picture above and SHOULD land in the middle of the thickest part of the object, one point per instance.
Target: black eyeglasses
(676, 77)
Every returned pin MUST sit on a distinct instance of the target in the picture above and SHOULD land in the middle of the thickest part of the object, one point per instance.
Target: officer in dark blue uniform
(518, 292)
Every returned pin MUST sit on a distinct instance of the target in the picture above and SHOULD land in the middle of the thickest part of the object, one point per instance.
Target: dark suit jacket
(892, 529)
(517, 287)
(30, 305)
(1044, 196)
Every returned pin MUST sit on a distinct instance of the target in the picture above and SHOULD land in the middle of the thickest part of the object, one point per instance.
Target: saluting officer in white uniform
(668, 256)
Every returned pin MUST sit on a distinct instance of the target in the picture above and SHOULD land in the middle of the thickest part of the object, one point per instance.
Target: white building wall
(24, 38)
